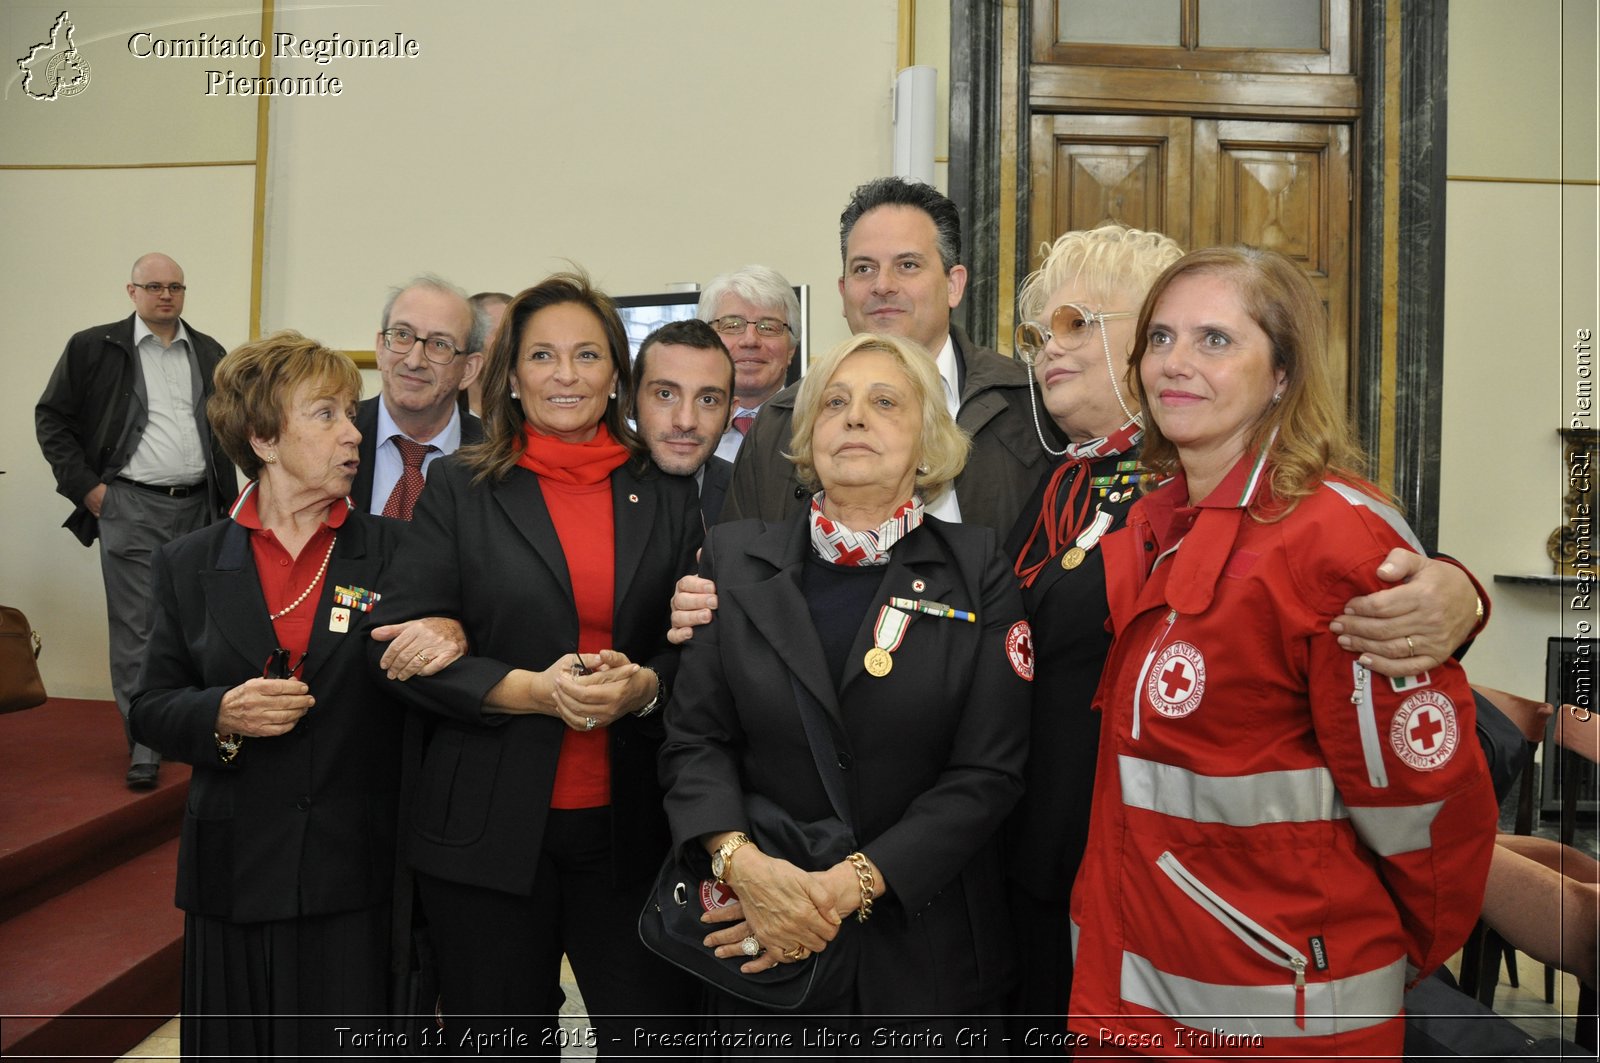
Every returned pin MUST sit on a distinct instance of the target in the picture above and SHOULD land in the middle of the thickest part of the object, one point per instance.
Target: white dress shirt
(168, 454)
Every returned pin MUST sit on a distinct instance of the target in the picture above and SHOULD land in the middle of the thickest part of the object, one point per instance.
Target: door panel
(1204, 182)
(1283, 186)
(1091, 170)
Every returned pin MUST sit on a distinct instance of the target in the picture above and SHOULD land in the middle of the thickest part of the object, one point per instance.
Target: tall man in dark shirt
(900, 242)
(123, 424)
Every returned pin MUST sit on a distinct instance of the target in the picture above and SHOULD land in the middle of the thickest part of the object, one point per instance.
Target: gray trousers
(134, 524)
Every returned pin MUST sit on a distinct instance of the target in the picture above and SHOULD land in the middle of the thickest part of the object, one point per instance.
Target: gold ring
(799, 952)
(1410, 647)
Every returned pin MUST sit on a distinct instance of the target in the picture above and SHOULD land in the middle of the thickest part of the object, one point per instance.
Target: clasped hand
(785, 908)
(263, 708)
(420, 647)
(606, 693)
(1414, 625)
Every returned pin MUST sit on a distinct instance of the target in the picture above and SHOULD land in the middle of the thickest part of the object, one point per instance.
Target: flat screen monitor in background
(643, 314)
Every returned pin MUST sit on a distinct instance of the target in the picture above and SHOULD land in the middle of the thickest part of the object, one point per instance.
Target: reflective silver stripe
(1339, 1006)
(1387, 513)
(1395, 829)
(1302, 795)
(1367, 725)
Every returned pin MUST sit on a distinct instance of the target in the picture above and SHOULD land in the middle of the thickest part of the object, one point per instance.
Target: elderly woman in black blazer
(254, 674)
(537, 821)
(908, 633)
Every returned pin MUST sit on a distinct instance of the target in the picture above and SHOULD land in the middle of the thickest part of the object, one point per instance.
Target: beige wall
(1520, 280)
(597, 132)
(648, 142)
(651, 141)
(72, 236)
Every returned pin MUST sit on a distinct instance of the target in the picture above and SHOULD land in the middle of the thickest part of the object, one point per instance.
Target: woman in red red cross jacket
(1281, 841)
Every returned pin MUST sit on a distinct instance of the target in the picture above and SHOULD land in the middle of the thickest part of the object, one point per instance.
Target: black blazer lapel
(519, 495)
(234, 600)
(777, 608)
(633, 518)
(352, 566)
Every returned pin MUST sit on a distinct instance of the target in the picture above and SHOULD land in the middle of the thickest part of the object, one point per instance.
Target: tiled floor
(162, 1046)
(1525, 1006)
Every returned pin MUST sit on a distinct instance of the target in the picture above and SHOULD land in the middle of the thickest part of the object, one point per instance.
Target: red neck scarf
(579, 464)
(1062, 521)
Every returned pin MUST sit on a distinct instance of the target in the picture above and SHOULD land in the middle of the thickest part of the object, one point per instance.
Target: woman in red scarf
(537, 823)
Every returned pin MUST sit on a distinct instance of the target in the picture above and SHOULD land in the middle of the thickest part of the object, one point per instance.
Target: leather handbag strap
(820, 737)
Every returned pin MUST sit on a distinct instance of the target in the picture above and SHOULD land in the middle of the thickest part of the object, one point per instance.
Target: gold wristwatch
(721, 860)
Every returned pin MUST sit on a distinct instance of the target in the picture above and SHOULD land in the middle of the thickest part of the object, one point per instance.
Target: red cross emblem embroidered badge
(1423, 732)
(1176, 681)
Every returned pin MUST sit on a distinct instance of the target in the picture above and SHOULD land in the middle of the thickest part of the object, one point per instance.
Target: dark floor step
(69, 815)
(95, 970)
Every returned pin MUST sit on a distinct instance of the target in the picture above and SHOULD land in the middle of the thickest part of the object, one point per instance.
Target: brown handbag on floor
(21, 686)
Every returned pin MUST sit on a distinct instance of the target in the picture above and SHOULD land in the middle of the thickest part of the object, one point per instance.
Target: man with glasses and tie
(123, 424)
(429, 351)
(757, 314)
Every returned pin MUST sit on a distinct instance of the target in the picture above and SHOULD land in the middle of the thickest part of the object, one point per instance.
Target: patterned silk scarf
(835, 543)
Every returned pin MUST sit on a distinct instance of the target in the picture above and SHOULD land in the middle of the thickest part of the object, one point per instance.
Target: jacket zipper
(1261, 940)
(1367, 725)
(1144, 669)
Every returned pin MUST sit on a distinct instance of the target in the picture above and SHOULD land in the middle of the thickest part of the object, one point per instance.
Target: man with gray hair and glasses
(757, 314)
(430, 350)
(123, 424)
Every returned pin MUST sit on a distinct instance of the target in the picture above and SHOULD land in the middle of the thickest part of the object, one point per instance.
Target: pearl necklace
(280, 614)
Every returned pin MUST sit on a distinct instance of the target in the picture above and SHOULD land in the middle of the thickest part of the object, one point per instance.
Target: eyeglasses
(734, 325)
(278, 666)
(1070, 326)
(437, 349)
(157, 289)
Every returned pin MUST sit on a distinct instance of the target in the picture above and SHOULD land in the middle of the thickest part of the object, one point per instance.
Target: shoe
(143, 776)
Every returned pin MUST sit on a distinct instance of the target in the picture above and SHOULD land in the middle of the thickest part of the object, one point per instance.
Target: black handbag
(684, 890)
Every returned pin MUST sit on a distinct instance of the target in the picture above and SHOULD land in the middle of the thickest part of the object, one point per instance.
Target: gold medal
(878, 662)
(1073, 558)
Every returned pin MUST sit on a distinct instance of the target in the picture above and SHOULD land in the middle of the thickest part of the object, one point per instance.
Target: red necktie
(742, 421)
(407, 489)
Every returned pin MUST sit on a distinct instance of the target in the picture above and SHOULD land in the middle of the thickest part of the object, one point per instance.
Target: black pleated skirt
(313, 987)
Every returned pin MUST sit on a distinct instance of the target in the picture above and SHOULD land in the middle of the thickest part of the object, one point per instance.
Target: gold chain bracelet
(868, 883)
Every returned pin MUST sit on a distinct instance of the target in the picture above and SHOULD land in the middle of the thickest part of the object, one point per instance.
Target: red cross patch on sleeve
(1423, 732)
(1019, 649)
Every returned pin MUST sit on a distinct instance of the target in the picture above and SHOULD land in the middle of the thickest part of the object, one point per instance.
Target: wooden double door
(1206, 181)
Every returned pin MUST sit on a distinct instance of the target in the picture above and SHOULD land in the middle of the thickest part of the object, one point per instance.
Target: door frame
(1397, 344)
